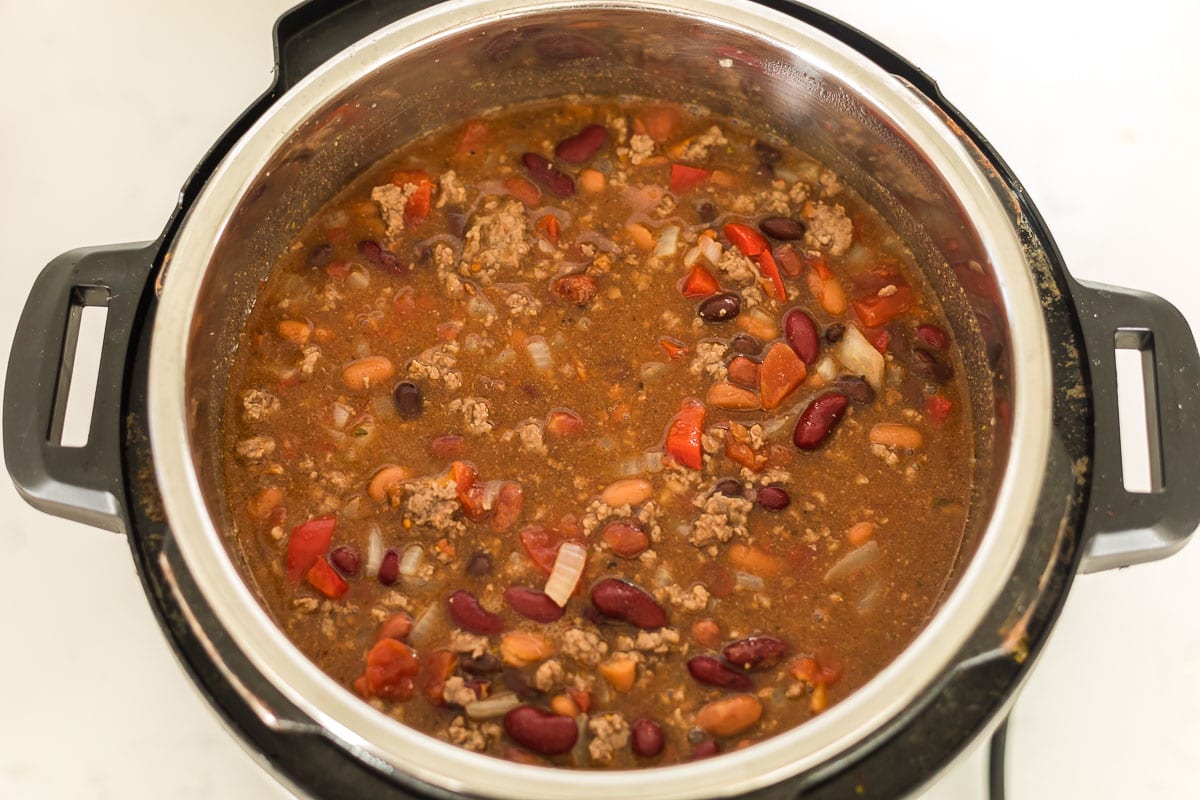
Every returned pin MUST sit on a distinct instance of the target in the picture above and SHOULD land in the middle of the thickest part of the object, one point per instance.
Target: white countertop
(106, 107)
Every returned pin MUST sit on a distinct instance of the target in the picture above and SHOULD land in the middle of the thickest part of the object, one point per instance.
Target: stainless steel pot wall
(456, 61)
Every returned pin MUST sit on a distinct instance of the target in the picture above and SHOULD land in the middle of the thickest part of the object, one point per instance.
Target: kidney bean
(578, 288)
(720, 307)
(706, 632)
(646, 738)
(783, 228)
(532, 604)
(705, 749)
(346, 559)
(788, 260)
(625, 538)
(756, 652)
(745, 344)
(801, 333)
(730, 487)
(933, 337)
(544, 174)
(483, 664)
(320, 255)
(835, 332)
(371, 251)
(927, 365)
(743, 372)
(509, 502)
(479, 565)
(446, 447)
(469, 615)
(712, 672)
(729, 716)
(541, 731)
(818, 420)
(409, 400)
(583, 145)
(396, 626)
(624, 601)
(389, 568)
(774, 498)
(856, 388)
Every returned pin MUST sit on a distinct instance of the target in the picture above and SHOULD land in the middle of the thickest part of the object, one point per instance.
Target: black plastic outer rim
(895, 760)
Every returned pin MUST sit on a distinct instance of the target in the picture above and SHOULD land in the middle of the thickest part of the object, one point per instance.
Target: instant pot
(353, 80)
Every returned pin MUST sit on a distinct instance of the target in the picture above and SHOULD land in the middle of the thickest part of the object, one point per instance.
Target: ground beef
(522, 302)
(830, 183)
(473, 736)
(641, 147)
(437, 365)
(698, 147)
(497, 240)
(610, 732)
(308, 361)
(255, 449)
(443, 261)
(392, 201)
(586, 647)
(451, 190)
(532, 437)
(457, 693)
(710, 360)
(659, 641)
(798, 193)
(829, 228)
(257, 405)
(548, 675)
(721, 519)
(737, 267)
(463, 642)
(432, 502)
(476, 413)
(695, 599)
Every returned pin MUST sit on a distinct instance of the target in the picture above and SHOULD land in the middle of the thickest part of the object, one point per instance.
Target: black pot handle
(78, 483)
(1123, 527)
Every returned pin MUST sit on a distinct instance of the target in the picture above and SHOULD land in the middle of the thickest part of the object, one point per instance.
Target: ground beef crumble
(255, 449)
(257, 405)
(392, 201)
(457, 693)
(610, 733)
(463, 642)
(473, 736)
(694, 599)
(721, 519)
(641, 147)
(497, 240)
(829, 228)
(698, 147)
(451, 190)
(586, 647)
(710, 360)
(476, 413)
(548, 675)
(432, 502)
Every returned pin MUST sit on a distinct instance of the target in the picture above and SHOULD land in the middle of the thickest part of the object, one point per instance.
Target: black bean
(707, 211)
(835, 332)
(456, 221)
(320, 255)
(479, 565)
(410, 402)
(745, 344)
(720, 307)
(774, 498)
(484, 664)
(783, 228)
(730, 487)
(516, 682)
(854, 387)
(927, 365)
(766, 153)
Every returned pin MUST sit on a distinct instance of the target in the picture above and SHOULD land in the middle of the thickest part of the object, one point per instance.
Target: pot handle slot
(1125, 527)
(81, 483)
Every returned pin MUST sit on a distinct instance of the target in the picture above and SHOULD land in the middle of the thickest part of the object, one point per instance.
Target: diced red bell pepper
(685, 178)
(473, 137)
(699, 283)
(878, 337)
(746, 239)
(683, 434)
(307, 542)
(391, 670)
(547, 226)
(420, 201)
(769, 268)
(673, 346)
(876, 311)
(937, 408)
(324, 579)
(469, 489)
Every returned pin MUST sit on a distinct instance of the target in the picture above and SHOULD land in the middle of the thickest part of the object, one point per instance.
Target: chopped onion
(855, 561)
(341, 415)
(384, 406)
(750, 582)
(495, 706)
(479, 307)
(606, 443)
(630, 466)
(354, 508)
(826, 368)
(410, 562)
(663, 576)
(652, 369)
(870, 597)
(539, 352)
(859, 357)
(491, 491)
(374, 550)
(358, 277)
(599, 240)
(710, 248)
(668, 241)
(568, 568)
(691, 256)
(653, 461)
(427, 624)
(505, 356)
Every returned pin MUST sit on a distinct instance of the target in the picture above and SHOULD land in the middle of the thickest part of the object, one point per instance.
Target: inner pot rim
(358, 726)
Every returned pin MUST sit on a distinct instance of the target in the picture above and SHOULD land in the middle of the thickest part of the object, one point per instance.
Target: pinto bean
(522, 648)
(895, 434)
(730, 396)
(627, 492)
(583, 145)
(622, 600)
(756, 652)
(541, 731)
(368, 372)
(729, 716)
(546, 175)
(646, 738)
(818, 420)
(384, 482)
(625, 538)
(706, 632)
(469, 615)
(592, 181)
(532, 604)
(801, 333)
(712, 672)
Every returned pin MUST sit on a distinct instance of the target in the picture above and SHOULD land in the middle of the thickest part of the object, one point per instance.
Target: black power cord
(996, 749)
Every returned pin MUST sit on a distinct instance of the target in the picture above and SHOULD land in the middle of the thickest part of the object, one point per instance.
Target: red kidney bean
(756, 652)
(578, 288)
(933, 337)
(835, 332)
(720, 307)
(801, 333)
(624, 601)
(408, 399)
(927, 365)
(783, 228)
(788, 260)
(533, 604)
(541, 731)
(346, 559)
(646, 738)
(774, 498)
(583, 145)
(446, 447)
(544, 174)
(818, 420)
(855, 388)
(389, 568)
(469, 615)
(706, 749)
(479, 565)
(370, 250)
(711, 671)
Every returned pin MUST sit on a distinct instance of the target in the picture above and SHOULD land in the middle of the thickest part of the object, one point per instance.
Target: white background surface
(106, 107)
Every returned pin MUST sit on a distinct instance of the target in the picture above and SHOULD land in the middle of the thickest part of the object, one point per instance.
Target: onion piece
(480, 308)
(663, 577)
(691, 256)
(410, 562)
(568, 569)
(750, 582)
(855, 561)
(427, 624)
(826, 368)
(668, 241)
(374, 550)
(491, 491)
(539, 352)
(859, 357)
(870, 597)
(505, 357)
(495, 706)
(341, 415)
(710, 248)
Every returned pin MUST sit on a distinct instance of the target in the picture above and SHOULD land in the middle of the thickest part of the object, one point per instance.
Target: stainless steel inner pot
(458, 59)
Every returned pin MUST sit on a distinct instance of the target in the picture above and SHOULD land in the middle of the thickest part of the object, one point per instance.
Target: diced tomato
(547, 226)
(469, 489)
(541, 545)
(876, 311)
(699, 283)
(673, 346)
(564, 422)
(767, 262)
(582, 698)
(473, 137)
(307, 542)
(937, 408)
(659, 122)
(420, 201)
(685, 178)
(337, 270)
(507, 509)
(325, 579)
(391, 670)
(781, 372)
(878, 337)
(436, 667)
(746, 239)
(683, 434)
